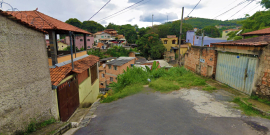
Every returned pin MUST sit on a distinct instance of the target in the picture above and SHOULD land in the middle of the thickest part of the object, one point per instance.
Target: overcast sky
(140, 14)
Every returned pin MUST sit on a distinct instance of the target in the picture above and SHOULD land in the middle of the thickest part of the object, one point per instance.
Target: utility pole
(167, 19)
(179, 54)
(202, 37)
(152, 21)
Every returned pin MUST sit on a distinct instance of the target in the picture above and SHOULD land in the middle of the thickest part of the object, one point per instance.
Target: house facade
(26, 92)
(226, 32)
(169, 42)
(62, 46)
(79, 41)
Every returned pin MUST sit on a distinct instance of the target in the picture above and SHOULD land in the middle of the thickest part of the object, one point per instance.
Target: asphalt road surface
(183, 112)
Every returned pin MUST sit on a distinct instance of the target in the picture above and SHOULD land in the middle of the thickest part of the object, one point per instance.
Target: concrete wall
(102, 79)
(62, 46)
(208, 57)
(25, 78)
(104, 35)
(88, 93)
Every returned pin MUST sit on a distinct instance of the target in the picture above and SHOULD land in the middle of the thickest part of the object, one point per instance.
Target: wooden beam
(53, 47)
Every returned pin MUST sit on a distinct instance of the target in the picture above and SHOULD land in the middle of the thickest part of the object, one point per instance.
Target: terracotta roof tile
(21, 21)
(83, 64)
(58, 74)
(258, 32)
(45, 22)
(256, 41)
(100, 45)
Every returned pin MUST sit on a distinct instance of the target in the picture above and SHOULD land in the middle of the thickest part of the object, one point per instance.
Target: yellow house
(169, 42)
(61, 45)
(225, 33)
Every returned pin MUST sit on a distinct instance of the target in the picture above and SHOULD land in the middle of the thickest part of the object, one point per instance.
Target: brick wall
(262, 76)
(26, 90)
(207, 66)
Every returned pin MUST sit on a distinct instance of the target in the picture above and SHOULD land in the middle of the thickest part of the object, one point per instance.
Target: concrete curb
(82, 123)
(255, 108)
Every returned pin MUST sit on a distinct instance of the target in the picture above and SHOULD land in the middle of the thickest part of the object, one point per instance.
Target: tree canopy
(150, 46)
(92, 26)
(265, 3)
(74, 22)
(210, 31)
(127, 30)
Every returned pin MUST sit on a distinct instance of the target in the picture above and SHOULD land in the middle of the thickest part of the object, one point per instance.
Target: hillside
(203, 22)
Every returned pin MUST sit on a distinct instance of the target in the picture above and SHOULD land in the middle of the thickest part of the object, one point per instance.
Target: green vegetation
(74, 22)
(203, 22)
(209, 88)
(210, 31)
(133, 79)
(247, 108)
(129, 31)
(265, 3)
(34, 126)
(254, 97)
(116, 51)
(151, 46)
(90, 26)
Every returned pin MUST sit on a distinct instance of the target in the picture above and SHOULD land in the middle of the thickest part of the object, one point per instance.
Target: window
(226, 31)
(115, 78)
(88, 39)
(103, 75)
(94, 74)
(110, 67)
(173, 42)
(111, 79)
(101, 84)
(115, 67)
(81, 39)
(165, 42)
(102, 36)
(108, 36)
(62, 46)
(88, 47)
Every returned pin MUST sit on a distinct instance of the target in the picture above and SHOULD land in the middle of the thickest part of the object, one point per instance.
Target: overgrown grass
(174, 79)
(209, 88)
(34, 126)
(254, 97)
(247, 109)
(127, 91)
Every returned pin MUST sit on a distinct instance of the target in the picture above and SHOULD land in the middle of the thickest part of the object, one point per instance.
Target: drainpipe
(71, 50)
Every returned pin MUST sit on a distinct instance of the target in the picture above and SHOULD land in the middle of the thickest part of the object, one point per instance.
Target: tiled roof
(258, 32)
(83, 64)
(19, 20)
(45, 22)
(100, 45)
(257, 41)
(58, 74)
(120, 61)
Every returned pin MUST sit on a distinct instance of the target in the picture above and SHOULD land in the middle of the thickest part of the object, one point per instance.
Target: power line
(250, 10)
(121, 10)
(226, 7)
(231, 8)
(240, 10)
(100, 9)
(124, 11)
(194, 7)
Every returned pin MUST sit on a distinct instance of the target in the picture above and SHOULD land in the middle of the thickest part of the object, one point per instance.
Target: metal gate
(236, 71)
(68, 98)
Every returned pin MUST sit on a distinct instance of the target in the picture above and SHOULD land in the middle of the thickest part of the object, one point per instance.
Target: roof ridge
(37, 12)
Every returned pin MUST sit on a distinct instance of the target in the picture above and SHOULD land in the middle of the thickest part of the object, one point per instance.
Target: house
(225, 32)
(26, 92)
(261, 32)
(116, 67)
(79, 41)
(102, 73)
(169, 42)
(61, 45)
(241, 64)
(195, 40)
(109, 36)
(73, 73)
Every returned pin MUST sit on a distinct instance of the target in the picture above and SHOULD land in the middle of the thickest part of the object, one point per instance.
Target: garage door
(236, 71)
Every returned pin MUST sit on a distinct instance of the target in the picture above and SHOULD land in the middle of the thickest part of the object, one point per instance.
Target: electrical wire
(231, 8)
(100, 9)
(120, 10)
(126, 10)
(250, 10)
(226, 7)
(240, 10)
(194, 7)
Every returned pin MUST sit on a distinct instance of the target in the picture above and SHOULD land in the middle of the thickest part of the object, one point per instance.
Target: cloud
(130, 20)
(158, 17)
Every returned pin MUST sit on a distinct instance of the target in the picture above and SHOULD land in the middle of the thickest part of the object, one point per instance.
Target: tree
(74, 22)
(150, 46)
(265, 3)
(210, 31)
(92, 26)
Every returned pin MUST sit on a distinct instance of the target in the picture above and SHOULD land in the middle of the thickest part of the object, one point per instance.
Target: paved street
(185, 112)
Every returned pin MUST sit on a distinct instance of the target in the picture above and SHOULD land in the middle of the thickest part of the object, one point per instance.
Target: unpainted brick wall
(263, 79)
(192, 60)
(26, 90)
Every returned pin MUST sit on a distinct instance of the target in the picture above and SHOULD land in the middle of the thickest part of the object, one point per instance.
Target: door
(68, 98)
(236, 71)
